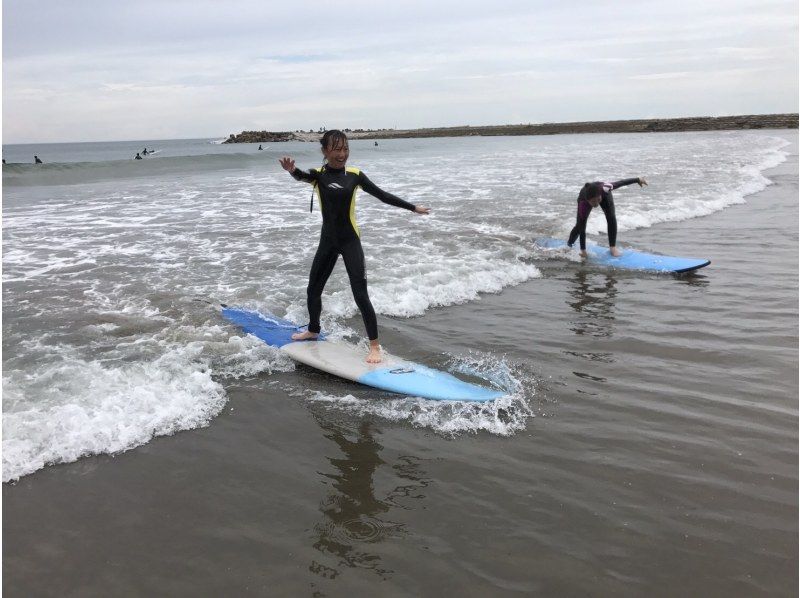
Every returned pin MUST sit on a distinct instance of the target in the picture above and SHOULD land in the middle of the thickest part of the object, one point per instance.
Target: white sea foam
(72, 408)
(84, 408)
(504, 416)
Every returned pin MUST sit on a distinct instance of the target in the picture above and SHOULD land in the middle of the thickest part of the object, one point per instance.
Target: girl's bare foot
(615, 252)
(304, 336)
(374, 353)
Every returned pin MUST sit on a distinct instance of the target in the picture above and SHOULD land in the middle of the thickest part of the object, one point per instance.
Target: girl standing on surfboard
(599, 194)
(336, 186)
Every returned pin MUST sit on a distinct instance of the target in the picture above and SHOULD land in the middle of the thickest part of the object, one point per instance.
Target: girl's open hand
(422, 210)
(642, 182)
(287, 163)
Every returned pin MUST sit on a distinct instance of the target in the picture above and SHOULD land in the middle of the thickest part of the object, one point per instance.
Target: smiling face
(336, 152)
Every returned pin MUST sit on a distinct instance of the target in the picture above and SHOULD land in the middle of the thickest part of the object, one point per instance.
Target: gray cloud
(90, 70)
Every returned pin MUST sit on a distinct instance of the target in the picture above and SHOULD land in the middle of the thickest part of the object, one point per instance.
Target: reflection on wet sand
(355, 519)
(693, 279)
(592, 295)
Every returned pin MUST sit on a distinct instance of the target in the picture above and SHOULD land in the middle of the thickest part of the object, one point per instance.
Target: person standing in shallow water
(336, 186)
(591, 196)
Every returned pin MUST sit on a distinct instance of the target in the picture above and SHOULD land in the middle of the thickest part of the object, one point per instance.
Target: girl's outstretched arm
(288, 165)
(385, 197)
(625, 182)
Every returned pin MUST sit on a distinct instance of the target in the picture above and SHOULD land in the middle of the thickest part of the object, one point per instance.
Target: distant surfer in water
(336, 186)
(599, 194)
(137, 157)
(36, 160)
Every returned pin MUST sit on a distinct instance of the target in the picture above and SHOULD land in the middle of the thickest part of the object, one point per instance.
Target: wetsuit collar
(330, 168)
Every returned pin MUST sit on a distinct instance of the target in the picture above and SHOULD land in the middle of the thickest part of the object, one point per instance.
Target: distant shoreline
(655, 125)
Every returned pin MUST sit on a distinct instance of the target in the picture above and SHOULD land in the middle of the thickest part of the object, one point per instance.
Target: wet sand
(662, 459)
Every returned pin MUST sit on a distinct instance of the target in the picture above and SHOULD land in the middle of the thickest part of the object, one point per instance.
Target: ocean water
(647, 445)
(111, 267)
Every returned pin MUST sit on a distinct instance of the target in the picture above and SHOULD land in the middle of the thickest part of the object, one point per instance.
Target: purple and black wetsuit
(606, 203)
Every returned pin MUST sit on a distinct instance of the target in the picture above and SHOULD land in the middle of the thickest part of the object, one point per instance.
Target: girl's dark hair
(592, 190)
(332, 138)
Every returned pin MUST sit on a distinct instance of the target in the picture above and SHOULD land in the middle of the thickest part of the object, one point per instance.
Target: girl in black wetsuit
(336, 187)
(599, 194)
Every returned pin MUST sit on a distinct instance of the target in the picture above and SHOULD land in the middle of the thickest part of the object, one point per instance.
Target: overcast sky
(85, 70)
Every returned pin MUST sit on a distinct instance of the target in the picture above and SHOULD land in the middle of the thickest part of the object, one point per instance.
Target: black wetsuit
(336, 189)
(607, 205)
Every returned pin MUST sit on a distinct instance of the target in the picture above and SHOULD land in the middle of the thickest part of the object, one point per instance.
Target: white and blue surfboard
(631, 259)
(348, 361)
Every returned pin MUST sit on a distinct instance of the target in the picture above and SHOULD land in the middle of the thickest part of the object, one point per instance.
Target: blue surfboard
(631, 259)
(348, 361)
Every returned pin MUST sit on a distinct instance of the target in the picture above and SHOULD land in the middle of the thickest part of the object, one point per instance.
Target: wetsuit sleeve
(624, 183)
(385, 197)
(307, 177)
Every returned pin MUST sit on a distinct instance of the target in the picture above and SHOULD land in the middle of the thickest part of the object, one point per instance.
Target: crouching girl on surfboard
(336, 187)
(591, 196)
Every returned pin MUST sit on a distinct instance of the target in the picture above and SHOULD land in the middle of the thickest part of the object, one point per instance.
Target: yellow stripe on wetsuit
(356, 172)
(316, 186)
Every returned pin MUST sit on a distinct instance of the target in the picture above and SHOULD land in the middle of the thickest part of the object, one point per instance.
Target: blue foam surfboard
(348, 361)
(631, 259)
